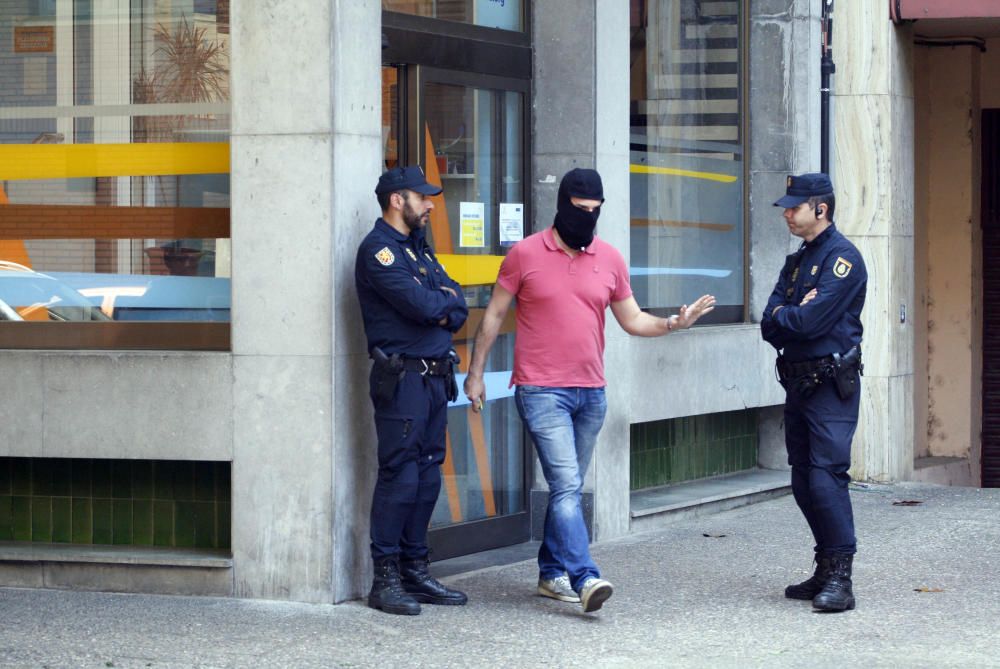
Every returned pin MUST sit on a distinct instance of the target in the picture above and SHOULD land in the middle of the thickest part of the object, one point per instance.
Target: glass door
(468, 133)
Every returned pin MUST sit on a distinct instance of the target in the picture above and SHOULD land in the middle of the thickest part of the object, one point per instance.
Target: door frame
(423, 51)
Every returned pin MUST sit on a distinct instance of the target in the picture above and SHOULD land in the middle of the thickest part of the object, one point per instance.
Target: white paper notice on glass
(511, 223)
(473, 224)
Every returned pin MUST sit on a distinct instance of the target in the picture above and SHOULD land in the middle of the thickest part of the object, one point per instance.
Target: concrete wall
(953, 86)
(954, 253)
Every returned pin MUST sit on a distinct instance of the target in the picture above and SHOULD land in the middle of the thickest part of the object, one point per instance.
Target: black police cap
(405, 178)
(798, 189)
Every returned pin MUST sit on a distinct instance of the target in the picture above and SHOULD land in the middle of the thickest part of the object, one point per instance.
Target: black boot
(814, 584)
(387, 592)
(418, 583)
(836, 595)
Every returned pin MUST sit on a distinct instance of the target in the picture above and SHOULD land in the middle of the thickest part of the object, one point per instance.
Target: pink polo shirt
(561, 303)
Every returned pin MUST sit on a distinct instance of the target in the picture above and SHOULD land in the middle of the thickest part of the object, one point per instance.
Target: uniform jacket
(399, 282)
(831, 322)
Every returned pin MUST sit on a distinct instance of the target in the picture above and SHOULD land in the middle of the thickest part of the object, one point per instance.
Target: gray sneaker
(557, 588)
(594, 593)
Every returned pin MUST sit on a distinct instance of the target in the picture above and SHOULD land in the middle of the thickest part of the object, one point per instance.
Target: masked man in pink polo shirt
(564, 278)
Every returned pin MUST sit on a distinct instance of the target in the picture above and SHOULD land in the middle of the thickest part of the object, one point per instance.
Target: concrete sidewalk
(705, 592)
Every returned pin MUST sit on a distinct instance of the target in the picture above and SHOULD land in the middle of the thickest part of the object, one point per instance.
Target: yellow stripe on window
(471, 270)
(673, 171)
(66, 161)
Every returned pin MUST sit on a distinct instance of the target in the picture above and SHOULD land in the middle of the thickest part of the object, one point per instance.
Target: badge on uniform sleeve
(409, 252)
(841, 268)
(385, 256)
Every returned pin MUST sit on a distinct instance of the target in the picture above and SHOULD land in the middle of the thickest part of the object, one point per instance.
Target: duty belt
(791, 370)
(428, 366)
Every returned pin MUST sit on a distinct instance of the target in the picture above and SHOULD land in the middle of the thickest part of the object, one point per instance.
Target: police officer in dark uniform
(410, 308)
(813, 318)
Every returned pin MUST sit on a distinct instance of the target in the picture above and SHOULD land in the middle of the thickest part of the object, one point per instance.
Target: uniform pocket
(396, 439)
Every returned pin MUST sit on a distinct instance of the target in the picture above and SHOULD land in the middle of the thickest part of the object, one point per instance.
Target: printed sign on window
(511, 223)
(473, 228)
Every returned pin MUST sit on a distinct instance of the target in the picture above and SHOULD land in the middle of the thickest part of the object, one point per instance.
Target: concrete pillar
(873, 173)
(581, 120)
(357, 164)
(305, 83)
(784, 128)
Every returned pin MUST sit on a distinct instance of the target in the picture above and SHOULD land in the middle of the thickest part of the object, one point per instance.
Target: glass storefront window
(687, 157)
(469, 137)
(503, 14)
(114, 167)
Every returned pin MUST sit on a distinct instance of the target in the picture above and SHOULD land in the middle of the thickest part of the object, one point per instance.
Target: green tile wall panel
(20, 509)
(62, 519)
(121, 479)
(184, 524)
(83, 520)
(223, 523)
(5, 476)
(163, 479)
(223, 482)
(62, 477)
(82, 476)
(184, 481)
(6, 518)
(142, 479)
(101, 478)
(121, 521)
(204, 481)
(124, 502)
(41, 519)
(683, 449)
(142, 521)
(204, 525)
(163, 523)
(103, 523)
(21, 476)
(41, 477)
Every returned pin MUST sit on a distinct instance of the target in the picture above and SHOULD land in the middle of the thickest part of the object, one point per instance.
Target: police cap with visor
(405, 178)
(799, 189)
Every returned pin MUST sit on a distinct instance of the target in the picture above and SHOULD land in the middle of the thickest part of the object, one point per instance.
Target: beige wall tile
(863, 162)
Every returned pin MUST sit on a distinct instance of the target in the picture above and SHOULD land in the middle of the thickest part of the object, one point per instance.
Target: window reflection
(687, 235)
(503, 14)
(114, 159)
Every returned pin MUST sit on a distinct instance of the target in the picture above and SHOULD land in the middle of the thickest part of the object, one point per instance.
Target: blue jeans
(563, 424)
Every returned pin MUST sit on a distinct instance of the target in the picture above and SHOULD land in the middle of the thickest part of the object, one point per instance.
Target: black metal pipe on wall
(827, 68)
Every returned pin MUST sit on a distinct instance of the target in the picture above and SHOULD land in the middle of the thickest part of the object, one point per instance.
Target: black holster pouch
(847, 371)
(389, 372)
(452, 381)
(801, 378)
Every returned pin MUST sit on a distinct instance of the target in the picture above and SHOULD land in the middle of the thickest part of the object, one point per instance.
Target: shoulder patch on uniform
(385, 256)
(841, 268)
(410, 253)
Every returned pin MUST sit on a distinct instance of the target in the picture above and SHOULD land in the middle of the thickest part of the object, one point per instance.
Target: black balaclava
(576, 226)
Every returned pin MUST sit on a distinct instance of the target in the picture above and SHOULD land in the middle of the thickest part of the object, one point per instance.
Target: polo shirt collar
(551, 244)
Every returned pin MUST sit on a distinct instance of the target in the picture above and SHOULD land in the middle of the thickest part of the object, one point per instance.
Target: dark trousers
(818, 434)
(411, 446)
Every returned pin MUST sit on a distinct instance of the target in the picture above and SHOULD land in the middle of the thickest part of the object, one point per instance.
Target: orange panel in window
(28, 221)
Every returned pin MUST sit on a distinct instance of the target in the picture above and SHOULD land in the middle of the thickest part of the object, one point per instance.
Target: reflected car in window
(27, 295)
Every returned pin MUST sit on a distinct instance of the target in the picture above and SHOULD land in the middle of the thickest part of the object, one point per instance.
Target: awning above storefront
(946, 18)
